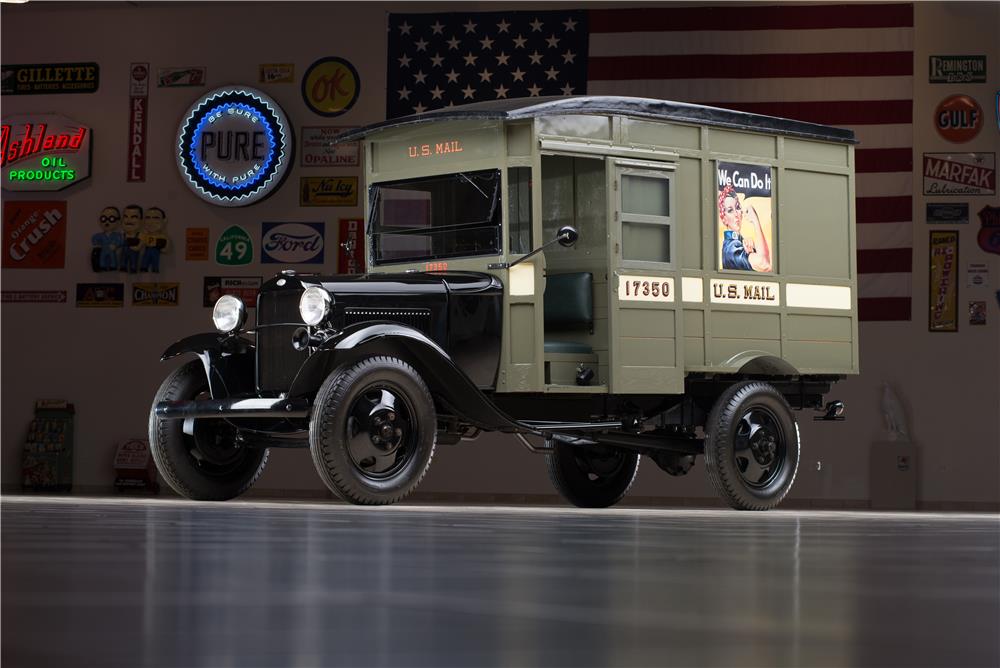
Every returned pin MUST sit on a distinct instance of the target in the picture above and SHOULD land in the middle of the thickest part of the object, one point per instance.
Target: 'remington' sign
(46, 152)
(960, 174)
(50, 78)
(957, 69)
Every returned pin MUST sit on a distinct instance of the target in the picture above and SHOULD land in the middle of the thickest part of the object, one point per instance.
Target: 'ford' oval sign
(292, 243)
(234, 146)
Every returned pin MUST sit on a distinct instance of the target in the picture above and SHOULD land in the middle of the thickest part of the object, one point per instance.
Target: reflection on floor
(120, 582)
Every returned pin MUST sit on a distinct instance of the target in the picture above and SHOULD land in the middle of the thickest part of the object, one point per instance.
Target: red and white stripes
(844, 65)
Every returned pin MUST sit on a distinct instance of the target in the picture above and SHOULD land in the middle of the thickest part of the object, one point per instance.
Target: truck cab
(603, 277)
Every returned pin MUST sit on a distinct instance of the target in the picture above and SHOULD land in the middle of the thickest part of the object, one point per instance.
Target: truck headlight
(229, 314)
(314, 305)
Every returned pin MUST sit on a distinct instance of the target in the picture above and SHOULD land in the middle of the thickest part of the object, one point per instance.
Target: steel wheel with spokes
(201, 459)
(372, 431)
(752, 446)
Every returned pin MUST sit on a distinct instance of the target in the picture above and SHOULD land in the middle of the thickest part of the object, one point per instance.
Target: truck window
(452, 215)
(519, 208)
(646, 218)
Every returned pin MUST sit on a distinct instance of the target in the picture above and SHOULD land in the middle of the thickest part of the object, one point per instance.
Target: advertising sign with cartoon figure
(108, 242)
(745, 224)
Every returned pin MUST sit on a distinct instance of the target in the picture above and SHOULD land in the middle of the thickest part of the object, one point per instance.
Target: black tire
(592, 476)
(372, 431)
(752, 446)
(208, 464)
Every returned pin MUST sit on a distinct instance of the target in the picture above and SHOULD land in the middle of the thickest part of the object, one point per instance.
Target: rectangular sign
(49, 78)
(196, 244)
(34, 235)
(328, 191)
(960, 173)
(758, 293)
(645, 288)
(155, 294)
(977, 312)
(100, 295)
(33, 296)
(177, 77)
(957, 69)
(138, 109)
(351, 249)
(943, 298)
(245, 287)
(948, 214)
(745, 223)
(316, 148)
(43, 152)
(277, 73)
(977, 275)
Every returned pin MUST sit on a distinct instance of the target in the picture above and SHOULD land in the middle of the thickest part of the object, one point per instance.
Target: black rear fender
(228, 361)
(447, 383)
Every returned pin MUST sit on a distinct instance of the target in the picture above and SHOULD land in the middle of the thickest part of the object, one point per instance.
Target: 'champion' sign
(234, 146)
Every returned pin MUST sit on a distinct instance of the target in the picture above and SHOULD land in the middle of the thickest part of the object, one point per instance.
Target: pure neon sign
(234, 146)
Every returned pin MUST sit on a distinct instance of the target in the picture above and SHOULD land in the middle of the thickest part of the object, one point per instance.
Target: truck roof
(640, 107)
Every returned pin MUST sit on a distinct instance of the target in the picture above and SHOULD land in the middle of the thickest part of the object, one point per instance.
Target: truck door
(645, 308)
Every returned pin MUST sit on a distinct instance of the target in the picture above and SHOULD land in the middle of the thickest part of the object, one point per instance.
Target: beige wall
(106, 362)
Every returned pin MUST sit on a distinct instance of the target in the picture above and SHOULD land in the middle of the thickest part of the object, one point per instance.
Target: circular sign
(331, 86)
(958, 118)
(234, 146)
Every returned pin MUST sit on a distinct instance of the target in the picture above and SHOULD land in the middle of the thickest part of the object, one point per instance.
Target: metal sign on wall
(43, 153)
(49, 78)
(234, 146)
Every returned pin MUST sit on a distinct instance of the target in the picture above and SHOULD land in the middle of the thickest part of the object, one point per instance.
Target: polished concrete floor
(121, 582)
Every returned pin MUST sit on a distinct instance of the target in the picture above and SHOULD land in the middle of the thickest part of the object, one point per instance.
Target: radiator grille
(277, 319)
(417, 318)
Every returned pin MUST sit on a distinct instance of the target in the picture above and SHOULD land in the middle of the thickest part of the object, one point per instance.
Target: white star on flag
(501, 91)
(470, 27)
(536, 25)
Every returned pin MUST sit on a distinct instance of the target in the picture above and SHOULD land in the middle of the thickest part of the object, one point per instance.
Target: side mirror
(567, 236)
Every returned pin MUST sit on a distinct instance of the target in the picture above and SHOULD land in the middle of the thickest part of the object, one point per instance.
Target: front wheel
(200, 458)
(591, 476)
(372, 431)
(752, 446)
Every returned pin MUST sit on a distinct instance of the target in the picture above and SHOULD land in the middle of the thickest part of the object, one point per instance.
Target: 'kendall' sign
(43, 153)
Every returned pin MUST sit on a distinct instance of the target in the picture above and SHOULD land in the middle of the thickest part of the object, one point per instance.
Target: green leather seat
(569, 305)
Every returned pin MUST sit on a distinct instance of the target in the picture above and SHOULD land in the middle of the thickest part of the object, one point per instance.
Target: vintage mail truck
(601, 277)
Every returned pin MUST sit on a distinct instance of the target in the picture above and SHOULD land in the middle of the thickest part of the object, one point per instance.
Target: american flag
(847, 65)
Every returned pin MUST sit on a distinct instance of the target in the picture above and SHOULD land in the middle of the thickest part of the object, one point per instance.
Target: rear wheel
(372, 431)
(200, 458)
(752, 446)
(592, 476)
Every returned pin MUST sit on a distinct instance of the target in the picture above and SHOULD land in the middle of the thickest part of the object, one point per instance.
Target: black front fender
(228, 361)
(446, 381)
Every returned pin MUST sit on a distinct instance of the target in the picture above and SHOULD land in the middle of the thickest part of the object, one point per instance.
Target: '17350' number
(647, 288)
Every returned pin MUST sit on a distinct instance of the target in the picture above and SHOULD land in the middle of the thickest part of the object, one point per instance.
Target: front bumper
(233, 408)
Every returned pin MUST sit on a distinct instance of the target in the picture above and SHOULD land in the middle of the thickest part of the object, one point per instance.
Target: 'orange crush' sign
(331, 86)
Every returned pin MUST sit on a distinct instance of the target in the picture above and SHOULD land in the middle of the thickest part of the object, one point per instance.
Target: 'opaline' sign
(43, 152)
(234, 146)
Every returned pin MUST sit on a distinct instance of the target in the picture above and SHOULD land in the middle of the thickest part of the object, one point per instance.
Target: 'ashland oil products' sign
(234, 146)
(50, 78)
(43, 153)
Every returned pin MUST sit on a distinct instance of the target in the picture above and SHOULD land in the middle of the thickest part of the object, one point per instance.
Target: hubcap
(759, 447)
(380, 434)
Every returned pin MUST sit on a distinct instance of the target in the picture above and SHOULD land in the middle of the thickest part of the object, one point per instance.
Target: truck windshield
(452, 215)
